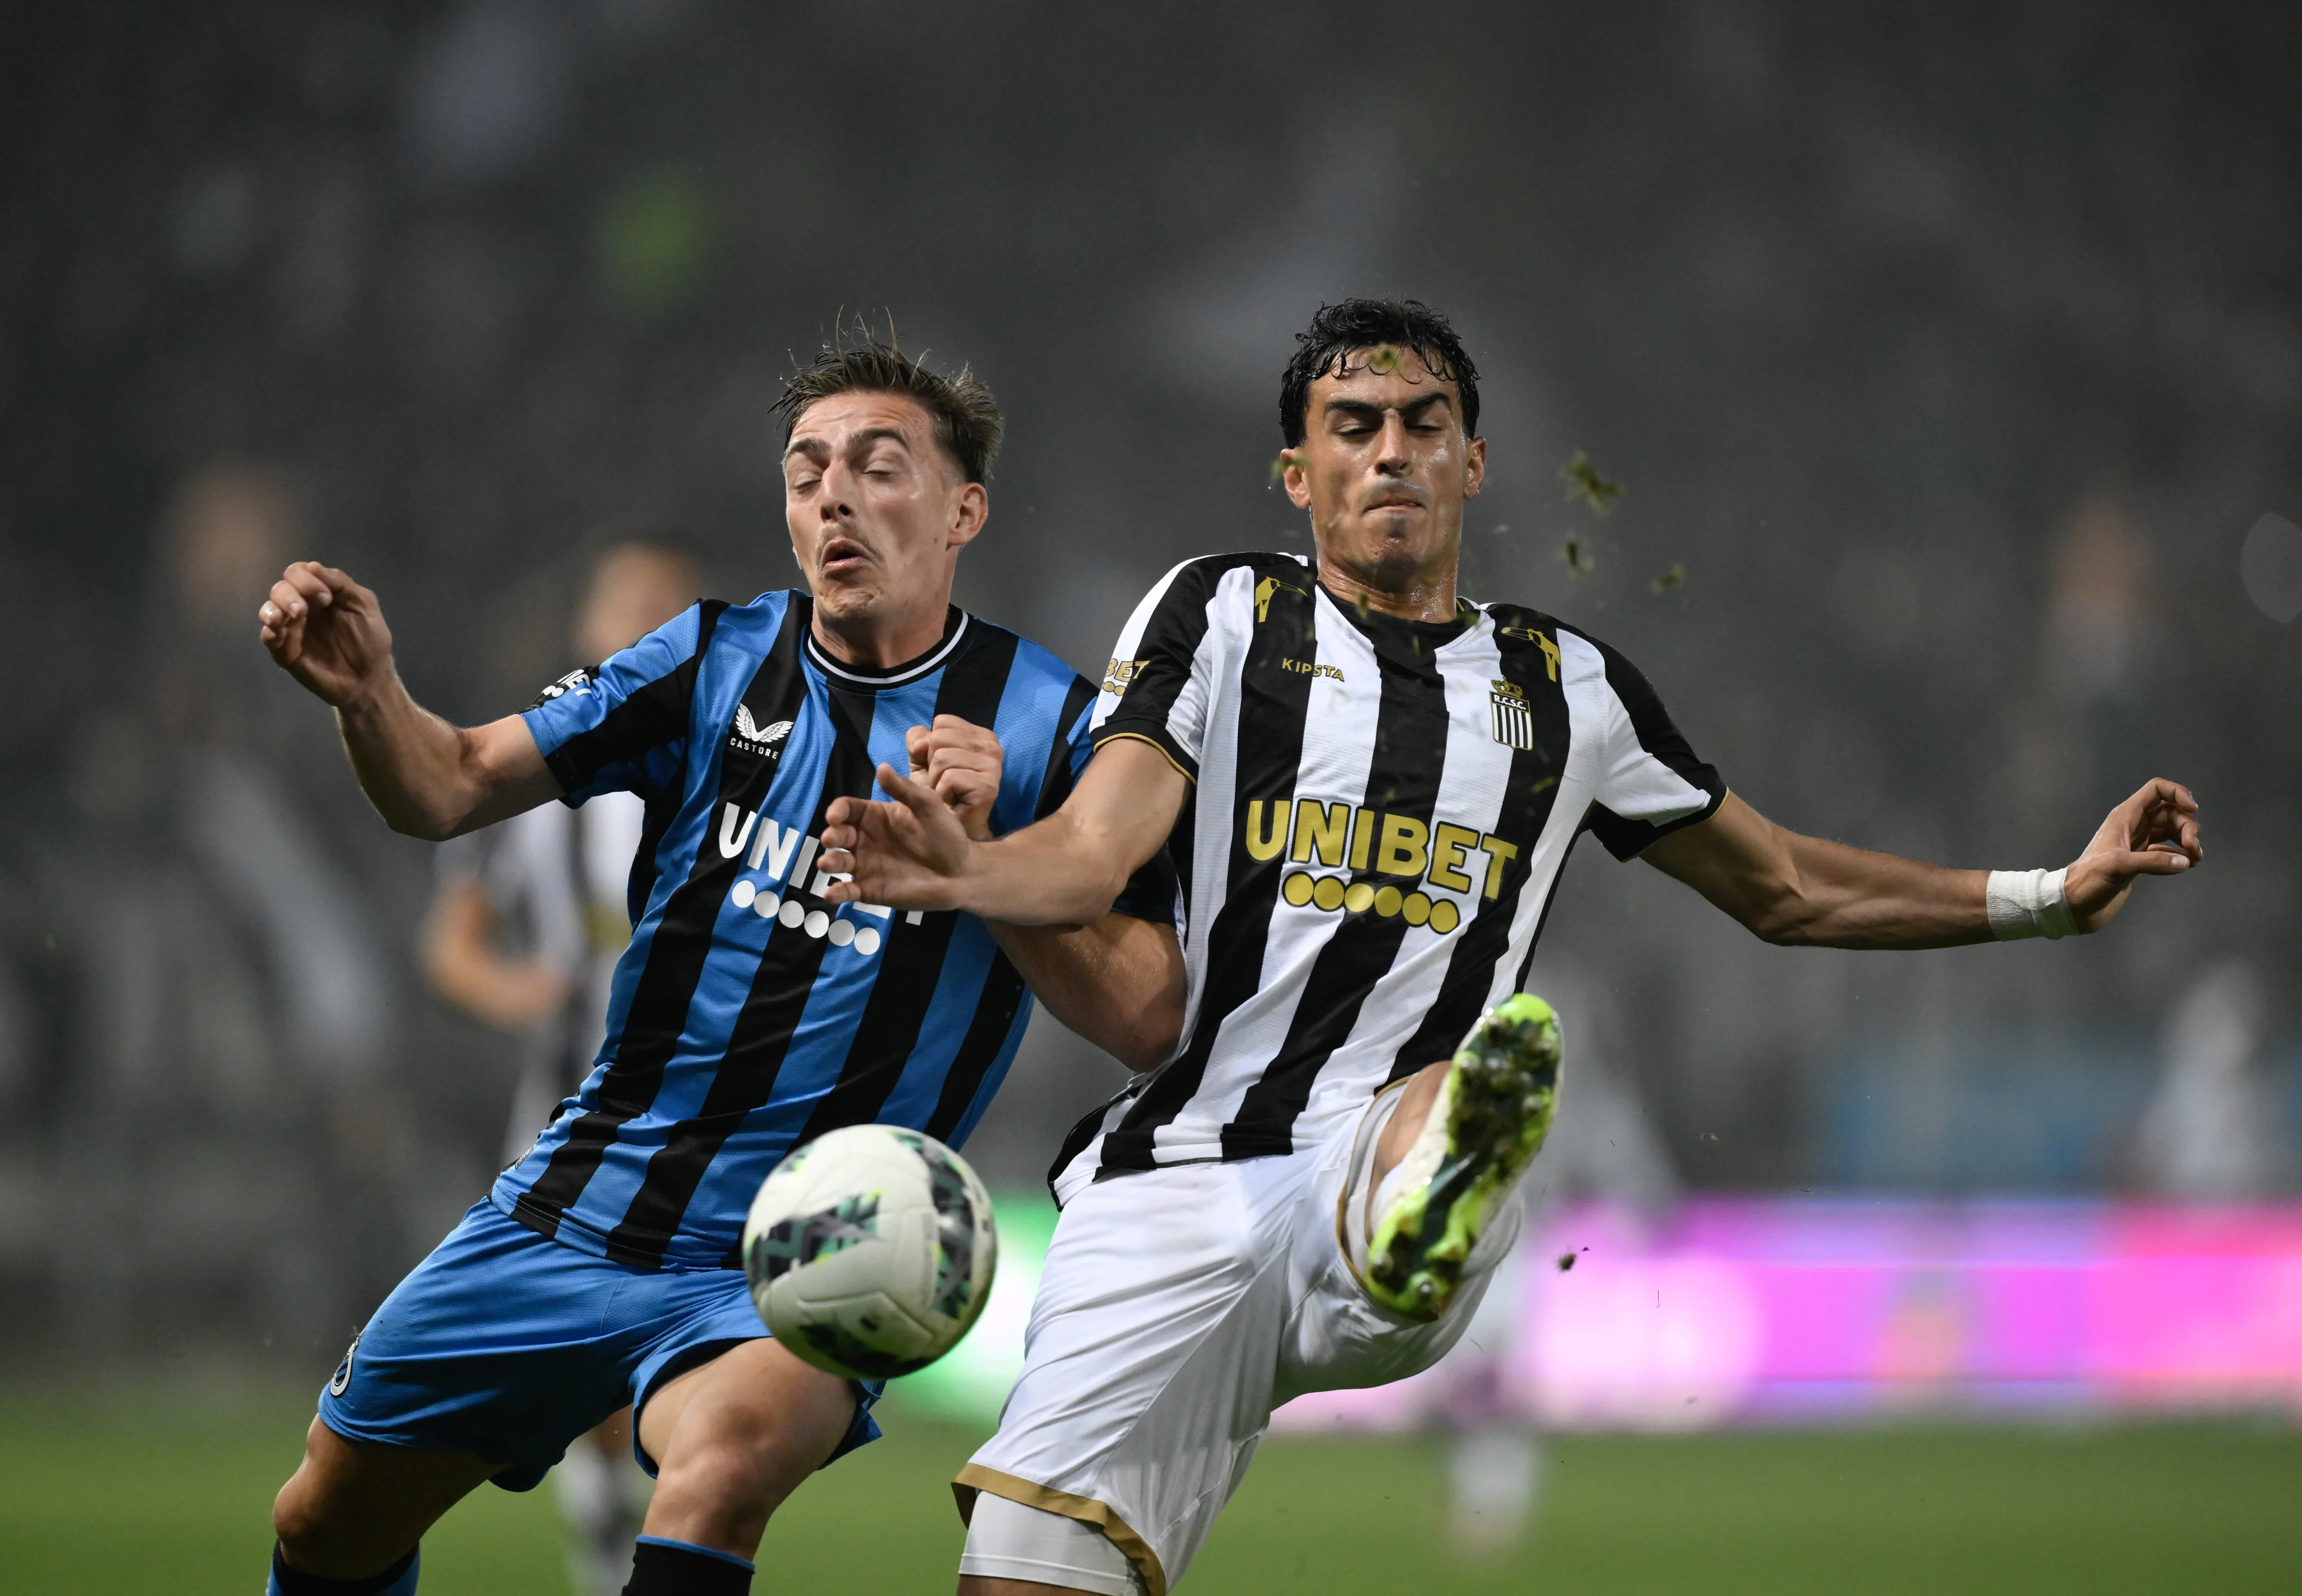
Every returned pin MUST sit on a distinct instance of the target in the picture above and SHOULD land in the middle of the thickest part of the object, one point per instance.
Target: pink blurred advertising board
(1732, 1310)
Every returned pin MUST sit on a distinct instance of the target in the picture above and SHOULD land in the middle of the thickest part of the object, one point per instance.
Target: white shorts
(1178, 1307)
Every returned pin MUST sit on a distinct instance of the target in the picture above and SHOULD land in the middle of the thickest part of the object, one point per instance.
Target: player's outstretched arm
(1802, 891)
(426, 779)
(1118, 981)
(1066, 870)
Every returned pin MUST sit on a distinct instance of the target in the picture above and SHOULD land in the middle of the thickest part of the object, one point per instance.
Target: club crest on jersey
(1514, 722)
(750, 737)
(1119, 675)
(340, 1381)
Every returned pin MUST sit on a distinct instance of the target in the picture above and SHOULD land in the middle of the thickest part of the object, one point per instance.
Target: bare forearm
(1052, 874)
(1848, 897)
(433, 780)
(1063, 871)
(474, 979)
(1117, 983)
(1801, 891)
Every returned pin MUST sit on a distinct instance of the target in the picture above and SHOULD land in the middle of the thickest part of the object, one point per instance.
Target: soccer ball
(870, 1251)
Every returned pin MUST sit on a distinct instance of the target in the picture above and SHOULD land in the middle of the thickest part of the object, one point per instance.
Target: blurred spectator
(230, 533)
(241, 1017)
(1602, 1145)
(525, 927)
(2094, 640)
(2212, 1130)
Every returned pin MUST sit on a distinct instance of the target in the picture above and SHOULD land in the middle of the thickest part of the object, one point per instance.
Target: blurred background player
(526, 926)
(1602, 1147)
(2211, 1131)
(252, 990)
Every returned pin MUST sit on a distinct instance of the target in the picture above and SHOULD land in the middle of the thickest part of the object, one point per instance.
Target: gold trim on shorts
(975, 1478)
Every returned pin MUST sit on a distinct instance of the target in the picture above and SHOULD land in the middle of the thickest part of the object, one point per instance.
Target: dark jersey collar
(1406, 634)
(954, 627)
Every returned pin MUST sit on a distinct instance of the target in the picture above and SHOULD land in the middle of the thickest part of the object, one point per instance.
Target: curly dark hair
(1327, 344)
(968, 424)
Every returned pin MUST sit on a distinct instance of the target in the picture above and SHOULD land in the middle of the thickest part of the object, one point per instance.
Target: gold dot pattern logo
(1301, 890)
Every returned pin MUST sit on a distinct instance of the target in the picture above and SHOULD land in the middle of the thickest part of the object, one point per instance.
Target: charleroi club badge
(1514, 722)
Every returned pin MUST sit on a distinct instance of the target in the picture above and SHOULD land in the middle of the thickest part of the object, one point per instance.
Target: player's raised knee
(719, 1493)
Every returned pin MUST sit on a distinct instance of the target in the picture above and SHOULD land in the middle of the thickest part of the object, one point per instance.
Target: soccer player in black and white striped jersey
(1371, 785)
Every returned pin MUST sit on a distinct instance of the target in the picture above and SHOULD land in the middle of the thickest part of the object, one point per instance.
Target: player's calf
(733, 1438)
(1485, 1123)
(348, 1519)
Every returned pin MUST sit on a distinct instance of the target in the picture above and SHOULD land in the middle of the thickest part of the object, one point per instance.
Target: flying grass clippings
(1584, 481)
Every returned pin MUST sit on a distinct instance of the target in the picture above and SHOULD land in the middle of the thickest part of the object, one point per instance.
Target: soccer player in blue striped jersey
(750, 1013)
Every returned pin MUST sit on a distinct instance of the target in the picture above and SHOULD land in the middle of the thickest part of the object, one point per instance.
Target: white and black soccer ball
(870, 1251)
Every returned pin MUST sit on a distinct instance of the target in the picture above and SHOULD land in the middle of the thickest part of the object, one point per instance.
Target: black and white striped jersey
(1379, 814)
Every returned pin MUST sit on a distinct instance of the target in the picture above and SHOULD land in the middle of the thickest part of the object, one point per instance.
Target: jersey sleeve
(1162, 675)
(1152, 893)
(622, 727)
(1649, 783)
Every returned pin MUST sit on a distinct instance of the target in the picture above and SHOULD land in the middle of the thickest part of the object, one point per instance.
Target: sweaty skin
(1385, 470)
(878, 514)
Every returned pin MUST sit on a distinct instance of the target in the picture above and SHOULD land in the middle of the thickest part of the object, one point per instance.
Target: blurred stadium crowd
(1951, 360)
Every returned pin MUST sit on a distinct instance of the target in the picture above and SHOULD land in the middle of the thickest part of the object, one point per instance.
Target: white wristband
(2029, 904)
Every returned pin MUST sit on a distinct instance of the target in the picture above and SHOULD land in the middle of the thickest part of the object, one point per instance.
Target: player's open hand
(2153, 833)
(327, 631)
(907, 854)
(961, 761)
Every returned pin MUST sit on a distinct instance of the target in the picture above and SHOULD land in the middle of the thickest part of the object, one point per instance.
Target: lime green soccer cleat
(1493, 1111)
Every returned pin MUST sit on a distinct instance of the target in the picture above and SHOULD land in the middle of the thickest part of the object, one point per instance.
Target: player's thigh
(611, 1437)
(352, 1508)
(754, 1421)
(1338, 1338)
(1147, 1372)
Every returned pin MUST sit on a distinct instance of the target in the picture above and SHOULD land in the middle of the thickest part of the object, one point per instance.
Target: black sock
(291, 1581)
(661, 1567)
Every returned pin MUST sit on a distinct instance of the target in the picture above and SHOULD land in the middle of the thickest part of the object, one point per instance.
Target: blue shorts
(506, 1344)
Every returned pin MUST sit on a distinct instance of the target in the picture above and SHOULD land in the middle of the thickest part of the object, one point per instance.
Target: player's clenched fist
(960, 761)
(326, 631)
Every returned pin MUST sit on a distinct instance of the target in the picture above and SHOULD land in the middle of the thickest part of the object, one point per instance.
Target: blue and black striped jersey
(748, 1014)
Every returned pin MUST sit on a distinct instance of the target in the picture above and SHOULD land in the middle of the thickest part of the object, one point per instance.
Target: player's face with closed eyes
(1384, 468)
(877, 511)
